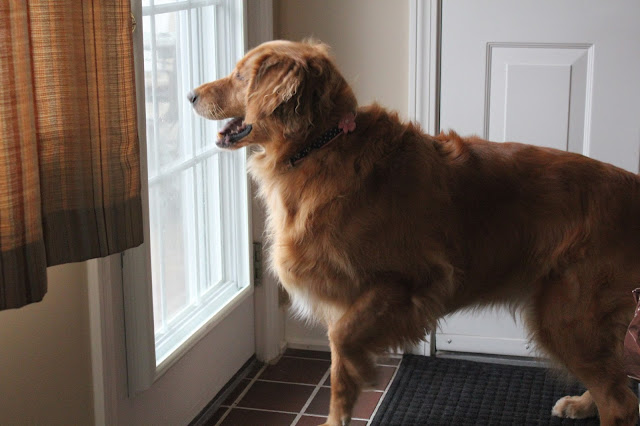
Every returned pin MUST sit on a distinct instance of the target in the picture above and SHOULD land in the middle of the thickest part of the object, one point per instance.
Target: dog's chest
(308, 271)
(300, 263)
(305, 255)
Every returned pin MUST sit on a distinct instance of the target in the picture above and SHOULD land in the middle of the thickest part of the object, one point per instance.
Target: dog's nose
(192, 96)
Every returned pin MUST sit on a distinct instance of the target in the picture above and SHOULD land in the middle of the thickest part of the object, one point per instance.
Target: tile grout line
(264, 410)
(268, 410)
(362, 391)
(328, 360)
(320, 416)
(241, 395)
(384, 394)
(306, 357)
(313, 395)
(286, 383)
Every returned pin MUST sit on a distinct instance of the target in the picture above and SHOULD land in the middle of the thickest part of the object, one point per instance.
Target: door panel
(549, 82)
(557, 74)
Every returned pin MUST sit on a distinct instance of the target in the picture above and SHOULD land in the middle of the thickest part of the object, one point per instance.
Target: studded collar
(346, 125)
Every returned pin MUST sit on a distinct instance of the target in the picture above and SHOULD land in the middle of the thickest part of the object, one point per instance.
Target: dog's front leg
(363, 331)
(345, 388)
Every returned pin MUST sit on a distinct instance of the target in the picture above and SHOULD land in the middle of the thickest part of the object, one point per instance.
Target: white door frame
(424, 60)
(105, 298)
(106, 329)
(270, 318)
(424, 93)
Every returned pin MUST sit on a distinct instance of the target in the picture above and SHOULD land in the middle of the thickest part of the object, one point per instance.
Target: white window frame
(142, 369)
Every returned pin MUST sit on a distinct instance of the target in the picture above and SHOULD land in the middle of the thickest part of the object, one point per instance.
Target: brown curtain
(69, 158)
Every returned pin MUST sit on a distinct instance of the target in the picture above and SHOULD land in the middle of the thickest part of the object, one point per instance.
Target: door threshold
(519, 361)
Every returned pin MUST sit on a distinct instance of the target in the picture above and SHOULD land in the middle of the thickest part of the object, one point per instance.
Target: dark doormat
(437, 391)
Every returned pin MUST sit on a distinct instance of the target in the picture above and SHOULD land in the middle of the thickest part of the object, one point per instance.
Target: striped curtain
(69, 158)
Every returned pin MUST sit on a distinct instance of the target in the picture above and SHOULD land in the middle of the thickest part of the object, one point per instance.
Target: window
(198, 247)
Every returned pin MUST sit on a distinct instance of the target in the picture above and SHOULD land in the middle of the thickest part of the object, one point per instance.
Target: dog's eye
(239, 76)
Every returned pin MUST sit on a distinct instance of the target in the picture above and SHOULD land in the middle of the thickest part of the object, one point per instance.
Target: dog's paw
(574, 407)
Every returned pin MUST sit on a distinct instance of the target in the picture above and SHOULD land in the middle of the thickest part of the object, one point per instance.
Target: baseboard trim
(210, 409)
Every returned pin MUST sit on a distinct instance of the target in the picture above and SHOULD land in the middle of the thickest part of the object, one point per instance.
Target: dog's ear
(276, 81)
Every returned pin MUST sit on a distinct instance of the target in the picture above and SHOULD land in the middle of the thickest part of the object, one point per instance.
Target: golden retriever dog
(378, 229)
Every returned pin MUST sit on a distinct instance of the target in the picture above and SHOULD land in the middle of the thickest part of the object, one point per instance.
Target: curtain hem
(23, 275)
(118, 228)
(69, 236)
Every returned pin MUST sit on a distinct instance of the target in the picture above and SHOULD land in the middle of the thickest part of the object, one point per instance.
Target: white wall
(370, 41)
(45, 360)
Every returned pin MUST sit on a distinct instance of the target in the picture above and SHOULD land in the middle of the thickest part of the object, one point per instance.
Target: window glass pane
(169, 89)
(156, 260)
(174, 237)
(210, 68)
(149, 90)
(209, 222)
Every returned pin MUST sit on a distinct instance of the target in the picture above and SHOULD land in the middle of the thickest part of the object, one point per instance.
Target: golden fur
(384, 231)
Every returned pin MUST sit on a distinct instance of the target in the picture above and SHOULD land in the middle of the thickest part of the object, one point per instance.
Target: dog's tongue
(232, 126)
(234, 130)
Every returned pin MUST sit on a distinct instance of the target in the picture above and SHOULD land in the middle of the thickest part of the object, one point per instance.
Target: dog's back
(526, 213)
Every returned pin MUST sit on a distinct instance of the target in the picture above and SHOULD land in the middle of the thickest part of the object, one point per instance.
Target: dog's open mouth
(232, 132)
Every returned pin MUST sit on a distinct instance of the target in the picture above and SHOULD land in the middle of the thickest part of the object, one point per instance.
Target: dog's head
(280, 90)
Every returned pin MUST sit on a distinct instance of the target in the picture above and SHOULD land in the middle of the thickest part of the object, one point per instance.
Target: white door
(188, 297)
(559, 74)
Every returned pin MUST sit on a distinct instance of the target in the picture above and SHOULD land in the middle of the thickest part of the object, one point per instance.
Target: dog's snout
(192, 96)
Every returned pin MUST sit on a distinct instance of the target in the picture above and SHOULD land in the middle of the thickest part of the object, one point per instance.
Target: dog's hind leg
(583, 328)
(380, 318)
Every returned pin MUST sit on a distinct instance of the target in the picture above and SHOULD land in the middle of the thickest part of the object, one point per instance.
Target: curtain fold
(69, 158)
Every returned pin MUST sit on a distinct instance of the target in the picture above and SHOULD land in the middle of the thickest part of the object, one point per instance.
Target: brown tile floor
(296, 391)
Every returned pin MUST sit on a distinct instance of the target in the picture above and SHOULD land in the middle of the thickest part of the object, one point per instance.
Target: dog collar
(346, 125)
